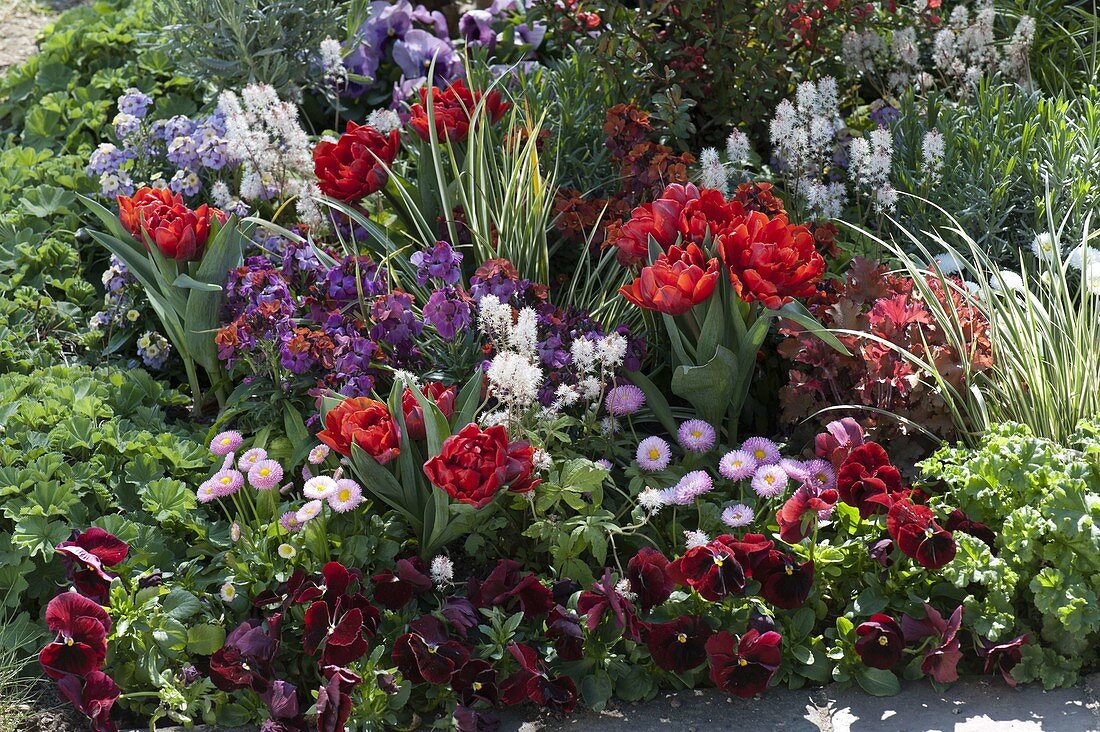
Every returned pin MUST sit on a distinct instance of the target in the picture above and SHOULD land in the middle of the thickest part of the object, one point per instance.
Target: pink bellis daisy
(319, 488)
(653, 454)
(737, 465)
(764, 450)
(769, 481)
(289, 521)
(309, 511)
(250, 458)
(624, 400)
(820, 474)
(795, 469)
(737, 515)
(347, 496)
(227, 482)
(690, 487)
(225, 443)
(207, 492)
(696, 435)
(318, 454)
(265, 475)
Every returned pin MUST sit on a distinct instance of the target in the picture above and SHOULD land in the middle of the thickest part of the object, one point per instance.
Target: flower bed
(514, 389)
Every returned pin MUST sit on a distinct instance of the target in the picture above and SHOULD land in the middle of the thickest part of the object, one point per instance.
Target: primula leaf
(205, 639)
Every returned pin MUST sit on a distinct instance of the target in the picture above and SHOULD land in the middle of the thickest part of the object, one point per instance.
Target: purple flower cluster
(442, 263)
(398, 43)
(191, 148)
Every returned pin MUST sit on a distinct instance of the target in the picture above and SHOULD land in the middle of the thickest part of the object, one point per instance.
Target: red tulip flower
(475, 464)
(677, 281)
(743, 666)
(435, 391)
(769, 260)
(452, 109)
(364, 422)
(659, 219)
(81, 626)
(357, 164)
(161, 216)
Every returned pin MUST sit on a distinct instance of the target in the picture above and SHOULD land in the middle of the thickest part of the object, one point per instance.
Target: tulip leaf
(224, 251)
(468, 401)
(708, 387)
(381, 482)
(188, 282)
(655, 399)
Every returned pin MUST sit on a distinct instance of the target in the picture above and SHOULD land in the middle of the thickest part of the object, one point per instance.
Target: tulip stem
(193, 380)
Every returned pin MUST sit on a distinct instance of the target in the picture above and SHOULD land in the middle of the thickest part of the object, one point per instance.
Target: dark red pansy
(86, 554)
(81, 626)
(743, 666)
(93, 696)
(1002, 657)
(679, 645)
(647, 572)
(393, 590)
(556, 693)
(281, 699)
(880, 641)
(942, 660)
(514, 689)
(783, 581)
(605, 600)
(959, 521)
(334, 584)
(470, 720)
(913, 527)
(245, 659)
(563, 628)
(334, 702)
(476, 681)
(426, 653)
(506, 587)
(749, 549)
(712, 570)
(866, 474)
(461, 614)
(531, 683)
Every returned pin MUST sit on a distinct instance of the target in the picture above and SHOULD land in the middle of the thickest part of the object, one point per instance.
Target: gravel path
(21, 21)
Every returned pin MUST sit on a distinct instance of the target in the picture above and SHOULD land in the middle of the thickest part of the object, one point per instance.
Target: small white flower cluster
(963, 51)
(442, 571)
(263, 133)
(933, 152)
(1014, 55)
(1086, 260)
(870, 159)
(384, 120)
(713, 171)
(804, 137)
(864, 51)
(514, 373)
(332, 62)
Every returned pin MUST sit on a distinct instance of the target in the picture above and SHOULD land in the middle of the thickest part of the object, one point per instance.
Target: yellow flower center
(654, 454)
(789, 570)
(226, 480)
(696, 434)
(682, 638)
(226, 441)
(759, 454)
(742, 662)
(68, 641)
(477, 686)
(264, 472)
(718, 561)
(769, 479)
(883, 640)
(343, 495)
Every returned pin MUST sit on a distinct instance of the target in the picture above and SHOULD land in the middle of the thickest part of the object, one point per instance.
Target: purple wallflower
(353, 277)
(395, 323)
(441, 263)
(414, 54)
(448, 312)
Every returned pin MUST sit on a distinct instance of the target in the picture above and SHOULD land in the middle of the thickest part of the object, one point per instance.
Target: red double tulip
(475, 464)
(770, 260)
(914, 529)
(659, 219)
(81, 626)
(452, 109)
(158, 215)
(435, 391)
(743, 666)
(357, 164)
(364, 422)
(680, 279)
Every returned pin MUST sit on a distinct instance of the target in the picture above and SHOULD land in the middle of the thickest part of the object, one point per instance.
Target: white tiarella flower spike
(442, 571)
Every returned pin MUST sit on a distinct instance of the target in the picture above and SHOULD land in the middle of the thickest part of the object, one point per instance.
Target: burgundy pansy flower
(426, 653)
(334, 703)
(1002, 657)
(838, 440)
(679, 645)
(959, 521)
(800, 514)
(281, 699)
(461, 614)
(647, 572)
(712, 570)
(506, 587)
(81, 626)
(244, 661)
(867, 478)
(393, 590)
(880, 641)
(476, 681)
(783, 581)
(743, 666)
(603, 599)
(563, 628)
(880, 550)
(469, 720)
(93, 696)
(345, 634)
(334, 583)
(913, 527)
(942, 660)
(86, 554)
(531, 683)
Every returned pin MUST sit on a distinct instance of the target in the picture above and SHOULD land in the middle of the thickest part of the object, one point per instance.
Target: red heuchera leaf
(743, 666)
